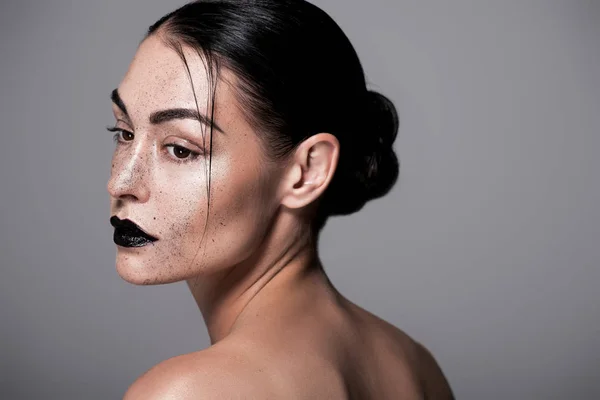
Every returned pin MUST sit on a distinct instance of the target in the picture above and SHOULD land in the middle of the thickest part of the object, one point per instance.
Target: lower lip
(125, 239)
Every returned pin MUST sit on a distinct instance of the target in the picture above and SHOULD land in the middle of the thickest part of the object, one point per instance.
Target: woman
(241, 127)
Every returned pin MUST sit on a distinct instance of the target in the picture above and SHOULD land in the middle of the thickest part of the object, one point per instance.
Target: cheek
(237, 215)
(190, 245)
(176, 212)
(181, 202)
(179, 198)
(240, 212)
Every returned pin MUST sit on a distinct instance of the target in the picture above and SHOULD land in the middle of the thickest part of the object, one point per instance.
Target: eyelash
(193, 155)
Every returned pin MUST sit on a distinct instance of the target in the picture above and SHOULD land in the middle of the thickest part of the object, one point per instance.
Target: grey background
(487, 250)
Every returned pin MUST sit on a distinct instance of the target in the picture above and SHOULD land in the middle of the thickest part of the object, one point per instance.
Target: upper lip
(130, 226)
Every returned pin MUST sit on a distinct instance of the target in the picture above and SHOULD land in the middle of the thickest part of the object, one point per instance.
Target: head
(233, 117)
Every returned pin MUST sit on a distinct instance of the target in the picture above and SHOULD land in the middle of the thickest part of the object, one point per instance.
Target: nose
(129, 175)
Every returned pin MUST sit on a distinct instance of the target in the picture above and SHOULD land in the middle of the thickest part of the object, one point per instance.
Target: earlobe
(314, 164)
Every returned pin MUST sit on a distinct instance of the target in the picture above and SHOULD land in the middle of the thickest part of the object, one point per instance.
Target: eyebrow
(159, 117)
(114, 96)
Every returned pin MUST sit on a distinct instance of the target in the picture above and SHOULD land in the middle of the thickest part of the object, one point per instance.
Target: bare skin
(278, 327)
(301, 340)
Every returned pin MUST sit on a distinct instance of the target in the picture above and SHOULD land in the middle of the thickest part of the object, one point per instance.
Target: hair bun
(382, 166)
(370, 167)
(382, 119)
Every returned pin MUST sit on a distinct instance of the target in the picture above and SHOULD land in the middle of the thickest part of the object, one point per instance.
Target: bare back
(353, 355)
(335, 351)
(387, 364)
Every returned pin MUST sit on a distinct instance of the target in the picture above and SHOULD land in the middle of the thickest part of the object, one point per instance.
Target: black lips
(128, 234)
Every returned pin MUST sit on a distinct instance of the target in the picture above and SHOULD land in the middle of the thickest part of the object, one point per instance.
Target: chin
(133, 269)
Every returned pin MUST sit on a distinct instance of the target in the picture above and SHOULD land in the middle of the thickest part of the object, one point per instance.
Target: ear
(310, 170)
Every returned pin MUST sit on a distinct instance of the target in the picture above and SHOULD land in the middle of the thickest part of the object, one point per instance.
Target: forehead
(157, 78)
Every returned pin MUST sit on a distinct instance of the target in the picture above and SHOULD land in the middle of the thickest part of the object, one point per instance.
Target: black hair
(298, 75)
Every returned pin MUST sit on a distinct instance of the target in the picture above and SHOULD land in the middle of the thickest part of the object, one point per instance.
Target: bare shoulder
(207, 374)
(400, 358)
(425, 367)
(435, 382)
(242, 367)
(371, 359)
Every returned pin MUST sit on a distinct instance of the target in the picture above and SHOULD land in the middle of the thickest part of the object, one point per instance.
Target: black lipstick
(128, 234)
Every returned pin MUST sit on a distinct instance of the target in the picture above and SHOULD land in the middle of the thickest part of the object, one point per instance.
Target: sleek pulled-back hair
(298, 75)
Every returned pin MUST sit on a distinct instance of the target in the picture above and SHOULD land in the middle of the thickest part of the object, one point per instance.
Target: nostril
(129, 197)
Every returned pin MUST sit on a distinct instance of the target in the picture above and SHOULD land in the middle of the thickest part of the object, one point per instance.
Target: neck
(268, 277)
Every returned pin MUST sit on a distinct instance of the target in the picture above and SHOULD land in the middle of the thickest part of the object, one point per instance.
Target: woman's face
(159, 175)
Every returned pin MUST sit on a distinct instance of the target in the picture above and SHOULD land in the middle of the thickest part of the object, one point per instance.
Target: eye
(126, 136)
(181, 153)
